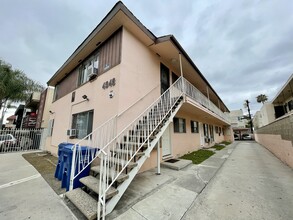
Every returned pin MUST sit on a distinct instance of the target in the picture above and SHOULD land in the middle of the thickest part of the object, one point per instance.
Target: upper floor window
(89, 67)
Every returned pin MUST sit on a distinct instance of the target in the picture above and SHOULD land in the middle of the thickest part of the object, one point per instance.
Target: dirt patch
(45, 164)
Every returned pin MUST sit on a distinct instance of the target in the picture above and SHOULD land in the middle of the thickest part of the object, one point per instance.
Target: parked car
(236, 137)
(246, 137)
(7, 142)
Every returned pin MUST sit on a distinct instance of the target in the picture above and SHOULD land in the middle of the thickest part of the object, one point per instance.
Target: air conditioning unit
(72, 132)
(92, 76)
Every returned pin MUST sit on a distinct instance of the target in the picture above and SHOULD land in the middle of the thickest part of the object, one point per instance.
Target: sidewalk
(169, 195)
(24, 194)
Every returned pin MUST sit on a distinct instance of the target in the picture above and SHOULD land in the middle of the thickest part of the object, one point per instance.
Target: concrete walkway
(242, 181)
(252, 184)
(24, 194)
(169, 195)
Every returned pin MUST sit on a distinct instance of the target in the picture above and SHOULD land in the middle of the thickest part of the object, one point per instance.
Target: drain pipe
(158, 158)
(181, 71)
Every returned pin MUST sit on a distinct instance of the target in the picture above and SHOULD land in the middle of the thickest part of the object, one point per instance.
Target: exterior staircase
(121, 158)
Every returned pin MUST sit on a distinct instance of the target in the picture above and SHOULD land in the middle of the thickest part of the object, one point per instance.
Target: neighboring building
(257, 120)
(11, 122)
(31, 109)
(239, 123)
(19, 115)
(264, 116)
(123, 72)
(237, 119)
(276, 130)
(44, 111)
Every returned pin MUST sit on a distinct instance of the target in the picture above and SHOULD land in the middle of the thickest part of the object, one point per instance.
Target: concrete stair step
(125, 151)
(121, 178)
(123, 162)
(84, 202)
(94, 183)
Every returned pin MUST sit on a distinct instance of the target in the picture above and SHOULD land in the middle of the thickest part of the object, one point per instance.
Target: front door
(201, 134)
(165, 79)
(166, 143)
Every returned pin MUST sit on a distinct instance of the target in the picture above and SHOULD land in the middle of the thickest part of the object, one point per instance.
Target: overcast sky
(243, 48)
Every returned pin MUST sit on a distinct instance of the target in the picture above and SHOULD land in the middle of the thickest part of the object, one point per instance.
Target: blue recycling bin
(60, 165)
(67, 165)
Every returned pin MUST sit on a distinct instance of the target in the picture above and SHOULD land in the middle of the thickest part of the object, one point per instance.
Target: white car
(246, 137)
(7, 141)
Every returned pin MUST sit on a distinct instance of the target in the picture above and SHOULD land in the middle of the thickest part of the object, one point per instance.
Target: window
(89, 67)
(83, 123)
(73, 97)
(205, 130)
(290, 105)
(216, 129)
(50, 127)
(220, 131)
(223, 131)
(194, 126)
(55, 96)
(212, 132)
(179, 125)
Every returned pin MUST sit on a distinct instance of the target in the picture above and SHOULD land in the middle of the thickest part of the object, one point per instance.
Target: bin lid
(68, 147)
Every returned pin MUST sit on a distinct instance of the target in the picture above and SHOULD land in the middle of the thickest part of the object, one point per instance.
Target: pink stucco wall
(282, 149)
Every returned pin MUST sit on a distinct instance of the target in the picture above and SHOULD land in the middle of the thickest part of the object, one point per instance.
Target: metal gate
(13, 140)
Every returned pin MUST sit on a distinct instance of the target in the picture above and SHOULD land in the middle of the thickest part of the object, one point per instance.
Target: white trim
(20, 181)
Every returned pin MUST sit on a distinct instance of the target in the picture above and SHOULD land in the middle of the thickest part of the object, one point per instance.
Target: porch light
(85, 97)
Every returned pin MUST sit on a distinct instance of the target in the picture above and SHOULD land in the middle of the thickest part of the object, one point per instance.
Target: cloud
(243, 48)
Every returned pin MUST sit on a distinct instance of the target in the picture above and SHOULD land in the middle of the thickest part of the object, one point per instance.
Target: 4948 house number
(109, 83)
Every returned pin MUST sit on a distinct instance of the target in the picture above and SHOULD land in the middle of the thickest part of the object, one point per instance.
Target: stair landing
(178, 165)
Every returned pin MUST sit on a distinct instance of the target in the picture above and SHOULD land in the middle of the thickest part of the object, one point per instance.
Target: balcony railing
(192, 92)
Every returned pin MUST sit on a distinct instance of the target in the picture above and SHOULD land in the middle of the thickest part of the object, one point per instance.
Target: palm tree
(262, 98)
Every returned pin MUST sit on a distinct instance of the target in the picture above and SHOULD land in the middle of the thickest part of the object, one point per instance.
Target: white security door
(166, 143)
(201, 133)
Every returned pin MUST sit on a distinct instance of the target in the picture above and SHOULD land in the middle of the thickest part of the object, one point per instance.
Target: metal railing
(117, 152)
(192, 92)
(86, 150)
(117, 155)
(14, 140)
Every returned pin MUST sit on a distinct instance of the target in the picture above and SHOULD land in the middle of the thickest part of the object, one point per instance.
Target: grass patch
(218, 146)
(225, 142)
(198, 156)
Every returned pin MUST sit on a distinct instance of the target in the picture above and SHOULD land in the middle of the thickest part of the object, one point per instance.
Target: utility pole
(250, 122)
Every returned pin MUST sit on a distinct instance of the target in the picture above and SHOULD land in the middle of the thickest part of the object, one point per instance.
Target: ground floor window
(194, 126)
(179, 125)
(212, 133)
(50, 127)
(83, 123)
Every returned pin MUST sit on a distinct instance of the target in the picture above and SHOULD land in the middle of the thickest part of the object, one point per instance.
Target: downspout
(181, 72)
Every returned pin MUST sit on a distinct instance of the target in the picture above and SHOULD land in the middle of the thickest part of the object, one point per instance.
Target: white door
(201, 134)
(166, 143)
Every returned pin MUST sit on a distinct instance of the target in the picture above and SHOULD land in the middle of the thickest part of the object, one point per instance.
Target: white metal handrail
(118, 154)
(83, 156)
(192, 92)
